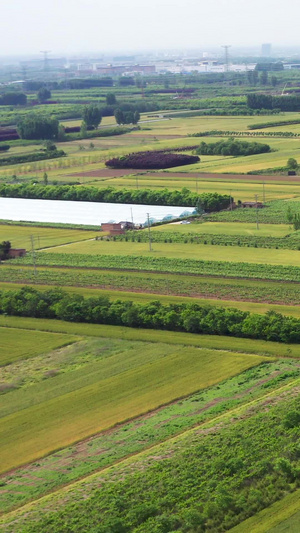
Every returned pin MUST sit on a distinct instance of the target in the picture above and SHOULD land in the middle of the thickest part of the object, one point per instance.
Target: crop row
(180, 285)
(290, 242)
(163, 264)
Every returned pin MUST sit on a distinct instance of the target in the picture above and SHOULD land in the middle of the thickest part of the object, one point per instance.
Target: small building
(16, 252)
(252, 204)
(112, 228)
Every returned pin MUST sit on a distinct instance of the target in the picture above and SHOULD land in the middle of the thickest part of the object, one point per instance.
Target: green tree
(38, 127)
(289, 215)
(274, 81)
(119, 116)
(136, 117)
(43, 94)
(45, 178)
(92, 116)
(83, 129)
(5, 246)
(263, 78)
(292, 163)
(111, 99)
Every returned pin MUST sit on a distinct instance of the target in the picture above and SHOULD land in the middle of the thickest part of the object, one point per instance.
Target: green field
(22, 344)
(168, 484)
(106, 448)
(281, 517)
(20, 236)
(227, 228)
(183, 251)
(56, 412)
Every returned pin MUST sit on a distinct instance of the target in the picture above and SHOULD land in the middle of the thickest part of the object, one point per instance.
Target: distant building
(266, 50)
(123, 69)
(112, 228)
(119, 228)
(16, 252)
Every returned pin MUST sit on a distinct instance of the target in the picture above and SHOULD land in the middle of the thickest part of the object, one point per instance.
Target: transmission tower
(226, 48)
(45, 52)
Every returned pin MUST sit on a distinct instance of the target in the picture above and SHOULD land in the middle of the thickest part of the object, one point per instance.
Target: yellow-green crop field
(20, 236)
(22, 344)
(227, 228)
(184, 251)
(71, 406)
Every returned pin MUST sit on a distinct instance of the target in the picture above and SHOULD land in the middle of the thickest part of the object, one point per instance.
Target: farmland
(117, 387)
(20, 236)
(181, 457)
(123, 415)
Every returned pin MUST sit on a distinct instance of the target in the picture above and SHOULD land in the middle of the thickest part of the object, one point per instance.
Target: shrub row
(152, 160)
(262, 125)
(192, 318)
(290, 242)
(232, 147)
(220, 133)
(28, 158)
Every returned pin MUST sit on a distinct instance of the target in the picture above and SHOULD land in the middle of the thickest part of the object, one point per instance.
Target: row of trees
(192, 318)
(206, 202)
(37, 127)
(232, 147)
(266, 101)
(92, 115)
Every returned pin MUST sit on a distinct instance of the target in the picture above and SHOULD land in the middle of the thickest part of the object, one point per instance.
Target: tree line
(191, 317)
(265, 101)
(205, 202)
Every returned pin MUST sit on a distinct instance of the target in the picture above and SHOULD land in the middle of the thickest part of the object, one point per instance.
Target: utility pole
(257, 225)
(149, 233)
(197, 185)
(264, 196)
(131, 215)
(33, 256)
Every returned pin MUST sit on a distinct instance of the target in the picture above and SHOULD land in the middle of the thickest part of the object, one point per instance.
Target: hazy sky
(70, 26)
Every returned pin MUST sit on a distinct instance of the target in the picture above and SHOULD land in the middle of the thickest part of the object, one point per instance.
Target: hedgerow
(232, 147)
(192, 318)
(163, 264)
(152, 160)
